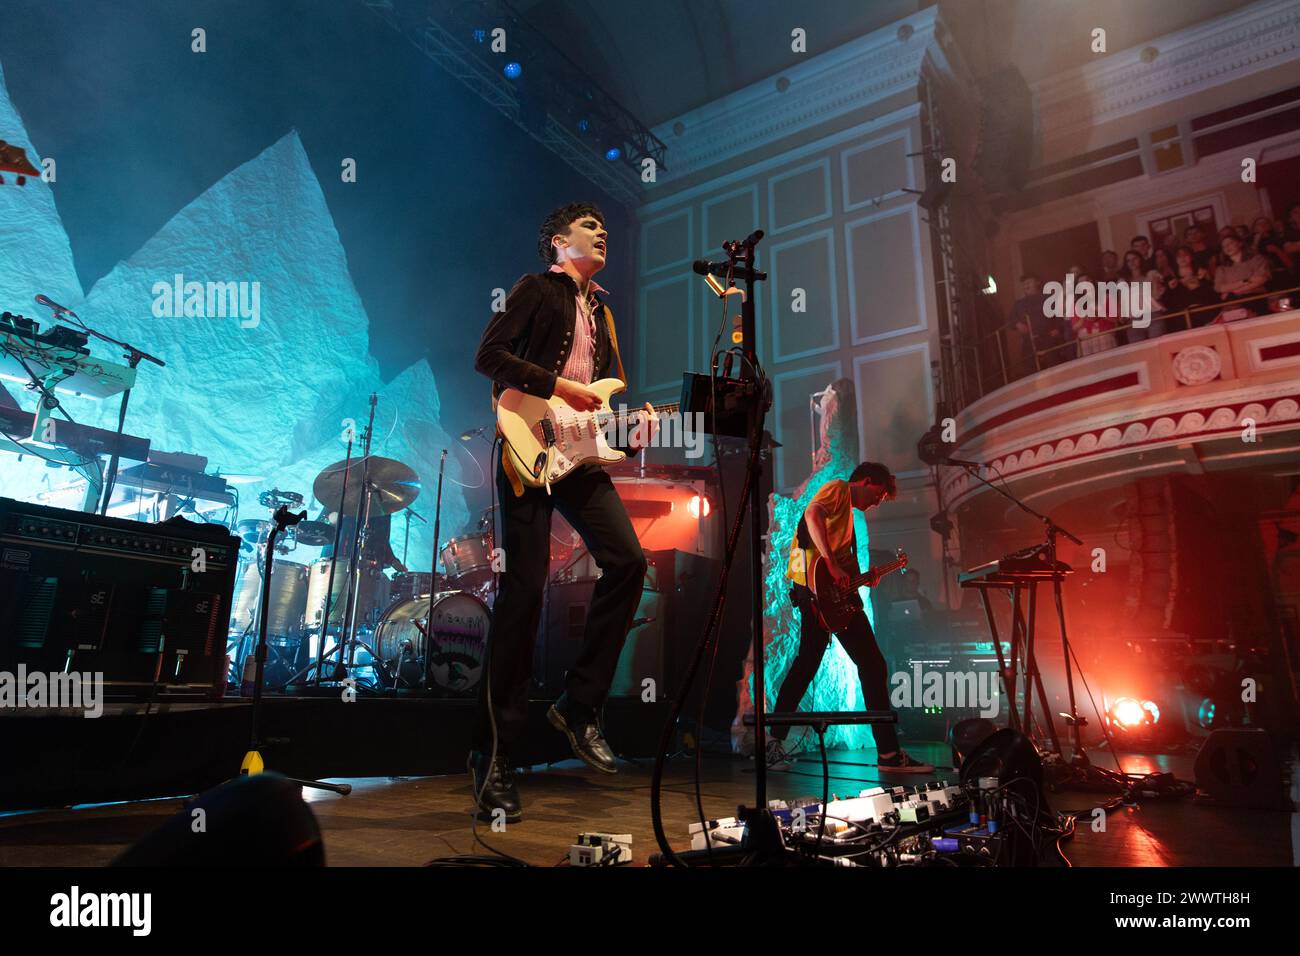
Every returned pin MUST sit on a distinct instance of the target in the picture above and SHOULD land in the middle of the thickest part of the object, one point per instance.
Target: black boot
(494, 786)
(579, 725)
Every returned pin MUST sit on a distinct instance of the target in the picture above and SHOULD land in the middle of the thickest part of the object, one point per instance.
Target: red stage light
(699, 506)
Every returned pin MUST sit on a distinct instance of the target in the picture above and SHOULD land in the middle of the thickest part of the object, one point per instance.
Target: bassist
(826, 531)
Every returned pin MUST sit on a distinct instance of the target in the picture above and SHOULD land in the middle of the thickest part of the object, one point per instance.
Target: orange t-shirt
(834, 500)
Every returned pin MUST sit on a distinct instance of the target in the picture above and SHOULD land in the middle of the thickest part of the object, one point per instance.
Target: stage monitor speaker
(262, 821)
(122, 598)
(1239, 768)
(668, 623)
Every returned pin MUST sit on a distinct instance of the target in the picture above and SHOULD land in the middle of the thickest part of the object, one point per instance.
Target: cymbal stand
(354, 559)
(329, 584)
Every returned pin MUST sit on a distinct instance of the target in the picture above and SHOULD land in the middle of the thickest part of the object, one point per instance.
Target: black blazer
(526, 345)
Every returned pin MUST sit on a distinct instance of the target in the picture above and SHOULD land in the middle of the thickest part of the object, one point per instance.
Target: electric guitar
(837, 604)
(546, 438)
(13, 159)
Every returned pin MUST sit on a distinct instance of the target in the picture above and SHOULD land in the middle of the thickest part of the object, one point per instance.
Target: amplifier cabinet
(123, 598)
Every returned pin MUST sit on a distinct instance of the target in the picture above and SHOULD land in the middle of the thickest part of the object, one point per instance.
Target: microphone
(962, 463)
(53, 306)
(467, 435)
(703, 267)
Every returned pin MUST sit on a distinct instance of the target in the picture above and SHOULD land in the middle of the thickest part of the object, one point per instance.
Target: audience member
(1240, 276)
(1142, 245)
(1109, 266)
(1039, 332)
(1202, 254)
(1096, 333)
(1190, 290)
(1267, 243)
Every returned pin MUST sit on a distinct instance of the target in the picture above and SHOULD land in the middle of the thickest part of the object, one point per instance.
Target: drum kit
(332, 617)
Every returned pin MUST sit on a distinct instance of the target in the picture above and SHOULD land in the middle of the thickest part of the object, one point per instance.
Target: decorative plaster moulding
(849, 78)
(1258, 37)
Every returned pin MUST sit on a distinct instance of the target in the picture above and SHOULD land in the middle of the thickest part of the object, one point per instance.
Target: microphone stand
(253, 762)
(134, 357)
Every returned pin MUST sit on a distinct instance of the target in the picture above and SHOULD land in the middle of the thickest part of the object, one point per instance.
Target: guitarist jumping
(552, 340)
(823, 566)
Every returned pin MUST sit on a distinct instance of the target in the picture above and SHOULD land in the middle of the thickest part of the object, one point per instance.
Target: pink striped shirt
(581, 363)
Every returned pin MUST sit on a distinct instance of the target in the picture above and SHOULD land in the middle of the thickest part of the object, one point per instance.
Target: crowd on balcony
(1192, 283)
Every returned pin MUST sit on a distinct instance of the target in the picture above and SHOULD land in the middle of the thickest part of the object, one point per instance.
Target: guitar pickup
(548, 431)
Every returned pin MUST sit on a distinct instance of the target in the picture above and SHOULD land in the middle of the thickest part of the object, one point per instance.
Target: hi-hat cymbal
(253, 531)
(393, 485)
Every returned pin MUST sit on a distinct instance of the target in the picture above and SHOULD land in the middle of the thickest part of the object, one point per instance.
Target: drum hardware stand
(406, 538)
(253, 762)
(329, 583)
(358, 538)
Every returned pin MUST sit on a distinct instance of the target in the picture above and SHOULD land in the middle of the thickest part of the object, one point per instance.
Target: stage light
(1126, 713)
(583, 125)
(512, 70)
(480, 36)
(1205, 714)
(699, 506)
(613, 154)
(991, 288)
(1130, 714)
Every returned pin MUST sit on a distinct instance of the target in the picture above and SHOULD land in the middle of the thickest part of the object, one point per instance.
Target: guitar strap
(613, 341)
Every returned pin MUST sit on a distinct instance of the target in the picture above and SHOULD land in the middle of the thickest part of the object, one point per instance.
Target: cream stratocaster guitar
(546, 439)
(836, 605)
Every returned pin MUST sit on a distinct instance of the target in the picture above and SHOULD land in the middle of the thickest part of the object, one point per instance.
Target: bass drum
(450, 661)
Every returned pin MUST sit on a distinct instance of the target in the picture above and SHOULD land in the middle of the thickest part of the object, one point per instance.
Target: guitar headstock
(14, 160)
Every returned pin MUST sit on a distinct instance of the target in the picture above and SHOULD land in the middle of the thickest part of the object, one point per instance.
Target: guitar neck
(669, 409)
(878, 572)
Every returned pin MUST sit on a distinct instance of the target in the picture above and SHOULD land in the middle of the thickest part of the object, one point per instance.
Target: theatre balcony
(1206, 396)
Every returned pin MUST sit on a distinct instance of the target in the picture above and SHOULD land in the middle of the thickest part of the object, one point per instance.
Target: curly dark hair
(557, 224)
(877, 474)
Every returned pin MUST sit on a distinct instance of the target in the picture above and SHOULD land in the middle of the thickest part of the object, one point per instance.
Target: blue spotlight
(512, 70)
(613, 154)
(480, 36)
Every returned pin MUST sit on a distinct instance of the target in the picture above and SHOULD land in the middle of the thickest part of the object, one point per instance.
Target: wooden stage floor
(408, 821)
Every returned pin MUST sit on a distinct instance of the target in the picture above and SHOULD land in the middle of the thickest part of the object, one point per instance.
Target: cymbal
(242, 479)
(393, 485)
(253, 530)
(314, 534)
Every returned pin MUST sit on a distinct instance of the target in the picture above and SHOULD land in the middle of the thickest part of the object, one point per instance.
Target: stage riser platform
(187, 748)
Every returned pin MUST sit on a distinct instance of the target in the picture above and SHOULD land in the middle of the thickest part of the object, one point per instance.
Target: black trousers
(860, 643)
(588, 501)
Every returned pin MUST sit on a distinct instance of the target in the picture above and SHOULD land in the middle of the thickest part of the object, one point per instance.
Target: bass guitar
(836, 604)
